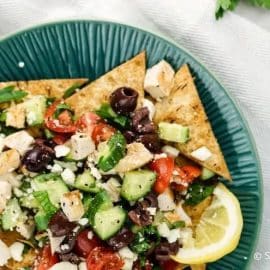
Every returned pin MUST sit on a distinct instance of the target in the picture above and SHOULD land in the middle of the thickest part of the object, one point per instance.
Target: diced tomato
(188, 173)
(65, 118)
(46, 260)
(164, 169)
(102, 132)
(84, 245)
(61, 138)
(101, 258)
(169, 265)
(87, 122)
(62, 125)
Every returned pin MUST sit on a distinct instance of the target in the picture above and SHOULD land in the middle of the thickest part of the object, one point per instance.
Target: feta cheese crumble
(61, 150)
(68, 176)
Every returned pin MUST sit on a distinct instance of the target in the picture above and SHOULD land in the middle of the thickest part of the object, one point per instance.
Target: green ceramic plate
(91, 48)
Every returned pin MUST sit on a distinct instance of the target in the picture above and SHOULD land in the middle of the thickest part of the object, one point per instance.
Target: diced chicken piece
(113, 187)
(159, 80)
(137, 156)
(81, 146)
(5, 253)
(13, 178)
(16, 116)
(166, 201)
(26, 228)
(72, 205)
(55, 242)
(20, 141)
(9, 161)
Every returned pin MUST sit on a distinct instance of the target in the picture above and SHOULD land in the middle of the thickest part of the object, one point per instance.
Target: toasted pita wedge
(130, 74)
(49, 87)
(184, 107)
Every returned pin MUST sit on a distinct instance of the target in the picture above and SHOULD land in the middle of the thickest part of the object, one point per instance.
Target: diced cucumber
(35, 110)
(42, 220)
(55, 189)
(137, 183)
(86, 182)
(206, 174)
(112, 152)
(173, 132)
(29, 202)
(87, 200)
(101, 201)
(11, 214)
(108, 222)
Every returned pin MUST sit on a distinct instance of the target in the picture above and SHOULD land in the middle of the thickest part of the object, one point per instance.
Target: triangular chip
(130, 74)
(48, 87)
(184, 107)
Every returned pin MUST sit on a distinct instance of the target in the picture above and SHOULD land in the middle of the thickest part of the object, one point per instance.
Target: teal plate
(91, 48)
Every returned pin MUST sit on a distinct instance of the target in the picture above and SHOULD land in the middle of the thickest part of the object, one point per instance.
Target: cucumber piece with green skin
(136, 184)
(173, 132)
(35, 109)
(41, 220)
(108, 222)
(11, 214)
(102, 201)
(206, 174)
(55, 189)
(86, 182)
(113, 151)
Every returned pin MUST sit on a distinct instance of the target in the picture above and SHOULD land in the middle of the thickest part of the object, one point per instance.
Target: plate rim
(204, 67)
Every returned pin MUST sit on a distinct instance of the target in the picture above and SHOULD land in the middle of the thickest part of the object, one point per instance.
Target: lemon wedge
(218, 231)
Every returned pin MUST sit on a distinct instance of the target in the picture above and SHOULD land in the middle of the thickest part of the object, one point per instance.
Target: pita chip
(54, 88)
(91, 97)
(184, 107)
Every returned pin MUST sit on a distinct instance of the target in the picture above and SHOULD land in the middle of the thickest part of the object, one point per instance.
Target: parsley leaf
(261, 3)
(145, 238)
(223, 6)
(71, 90)
(197, 192)
(9, 93)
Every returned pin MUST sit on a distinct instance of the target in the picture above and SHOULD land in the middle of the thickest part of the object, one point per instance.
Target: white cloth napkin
(236, 50)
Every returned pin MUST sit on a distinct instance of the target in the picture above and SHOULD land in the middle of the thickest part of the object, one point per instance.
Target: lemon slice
(218, 231)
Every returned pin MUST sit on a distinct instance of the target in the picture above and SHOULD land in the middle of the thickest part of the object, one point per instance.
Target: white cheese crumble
(83, 221)
(94, 171)
(152, 210)
(16, 250)
(163, 229)
(5, 253)
(82, 266)
(128, 256)
(159, 156)
(202, 153)
(170, 151)
(150, 106)
(61, 150)
(68, 176)
(56, 168)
